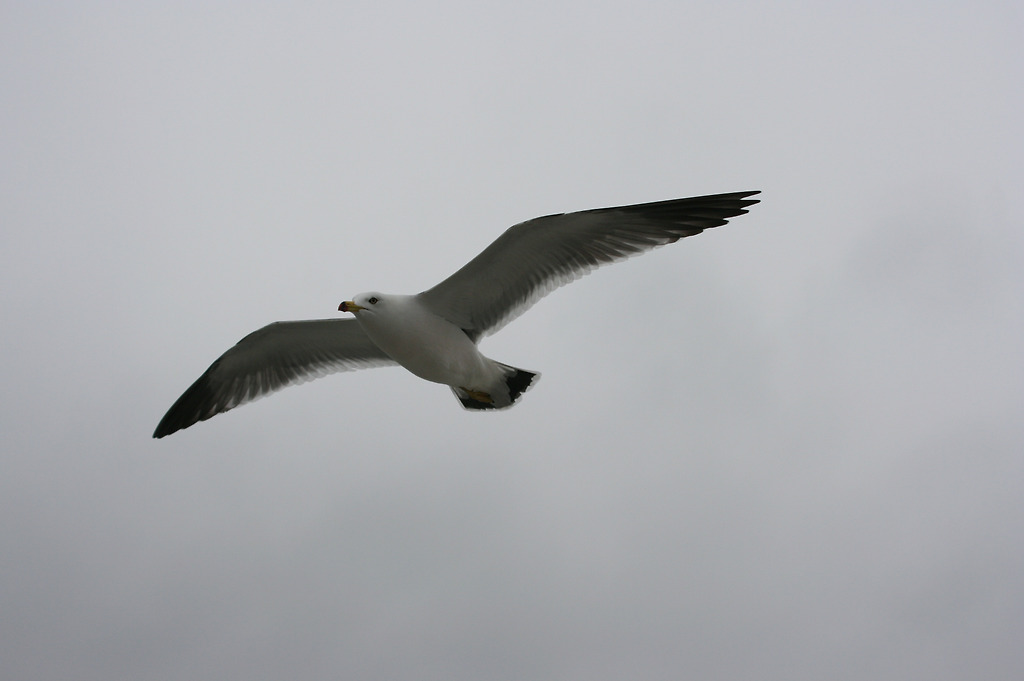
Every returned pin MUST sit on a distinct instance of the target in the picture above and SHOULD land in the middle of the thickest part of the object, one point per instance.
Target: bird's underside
(521, 266)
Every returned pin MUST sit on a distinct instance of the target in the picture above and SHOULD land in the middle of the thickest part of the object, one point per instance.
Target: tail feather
(502, 396)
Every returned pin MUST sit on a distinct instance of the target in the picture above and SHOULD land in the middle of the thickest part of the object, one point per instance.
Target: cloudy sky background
(789, 448)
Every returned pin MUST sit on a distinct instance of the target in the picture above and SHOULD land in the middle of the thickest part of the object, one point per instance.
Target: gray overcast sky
(789, 448)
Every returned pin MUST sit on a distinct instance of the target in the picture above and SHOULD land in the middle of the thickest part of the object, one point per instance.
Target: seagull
(434, 334)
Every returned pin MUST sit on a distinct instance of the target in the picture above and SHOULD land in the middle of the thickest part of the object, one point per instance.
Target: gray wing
(274, 357)
(535, 257)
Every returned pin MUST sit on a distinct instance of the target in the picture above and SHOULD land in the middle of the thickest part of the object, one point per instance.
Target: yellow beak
(349, 306)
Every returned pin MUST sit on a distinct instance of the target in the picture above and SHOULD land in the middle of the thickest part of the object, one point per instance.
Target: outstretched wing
(274, 357)
(535, 257)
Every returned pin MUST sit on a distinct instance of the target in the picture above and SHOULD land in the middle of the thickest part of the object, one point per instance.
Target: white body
(427, 345)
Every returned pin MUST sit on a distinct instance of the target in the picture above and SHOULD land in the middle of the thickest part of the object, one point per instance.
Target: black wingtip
(744, 201)
(164, 429)
(170, 423)
(192, 407)
(716, 208)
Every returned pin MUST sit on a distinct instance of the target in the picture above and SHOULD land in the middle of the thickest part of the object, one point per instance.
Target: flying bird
(435, 333)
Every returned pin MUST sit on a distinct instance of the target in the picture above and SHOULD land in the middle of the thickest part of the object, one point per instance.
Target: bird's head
(363, 301)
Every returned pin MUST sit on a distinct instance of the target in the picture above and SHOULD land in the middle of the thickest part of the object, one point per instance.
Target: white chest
(427, 345)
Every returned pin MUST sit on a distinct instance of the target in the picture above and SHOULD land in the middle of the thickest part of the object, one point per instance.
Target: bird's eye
(373, 300)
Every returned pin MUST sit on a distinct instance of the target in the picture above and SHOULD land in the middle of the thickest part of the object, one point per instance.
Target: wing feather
(269, 359)
(533, 258)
